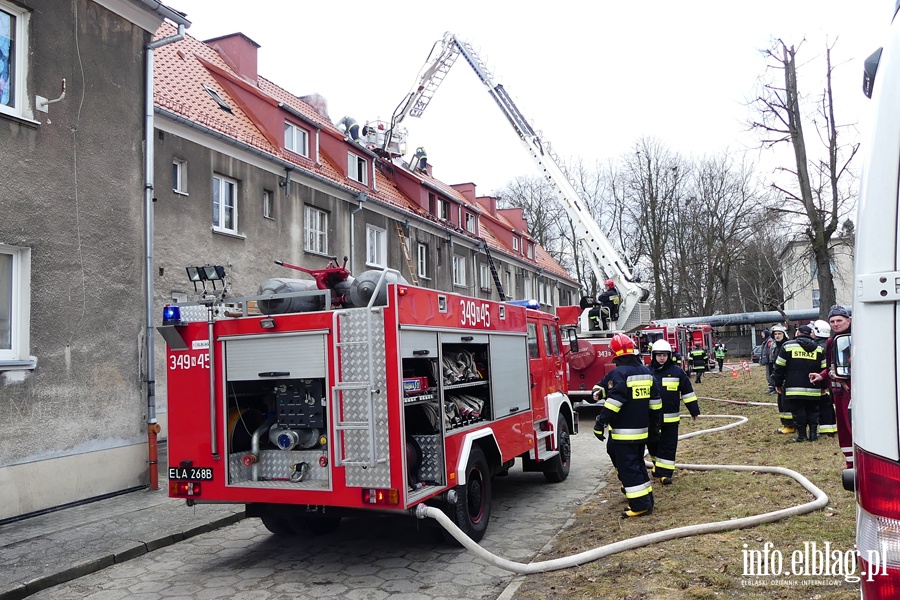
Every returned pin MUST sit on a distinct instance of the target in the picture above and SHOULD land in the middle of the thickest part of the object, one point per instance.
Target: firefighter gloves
(600, 430)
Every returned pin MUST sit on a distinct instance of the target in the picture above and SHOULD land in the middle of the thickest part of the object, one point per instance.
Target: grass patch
(712, 565)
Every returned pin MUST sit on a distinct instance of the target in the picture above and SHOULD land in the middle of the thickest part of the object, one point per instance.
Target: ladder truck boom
(634, 311)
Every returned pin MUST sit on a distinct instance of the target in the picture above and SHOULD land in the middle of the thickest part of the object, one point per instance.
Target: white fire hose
(820, 501)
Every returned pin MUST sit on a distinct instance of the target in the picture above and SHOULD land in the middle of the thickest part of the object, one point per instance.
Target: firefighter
(797, 360)
(632, 409)
(674, 388)
(839, 319)
(827, 418)
(699, 360)
(779, 337)
(720, 355)
(608, 305)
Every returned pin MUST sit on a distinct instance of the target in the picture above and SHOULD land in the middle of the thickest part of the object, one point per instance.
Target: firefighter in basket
(674, 388)
(632, 409)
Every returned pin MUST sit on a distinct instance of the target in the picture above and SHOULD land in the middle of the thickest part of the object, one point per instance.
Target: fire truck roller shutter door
(299, 356)
(510, 391)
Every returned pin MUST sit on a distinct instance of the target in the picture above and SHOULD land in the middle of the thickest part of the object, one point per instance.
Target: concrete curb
(33, 586)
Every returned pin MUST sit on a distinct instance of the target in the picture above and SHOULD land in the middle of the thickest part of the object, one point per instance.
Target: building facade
(799, 273)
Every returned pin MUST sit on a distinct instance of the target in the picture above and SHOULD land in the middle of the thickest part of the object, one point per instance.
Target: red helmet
(609, 284)
(621, 345)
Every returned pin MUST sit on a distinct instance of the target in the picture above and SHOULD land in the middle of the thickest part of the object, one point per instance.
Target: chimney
(239, 52)
(489, 203)
(467, 190)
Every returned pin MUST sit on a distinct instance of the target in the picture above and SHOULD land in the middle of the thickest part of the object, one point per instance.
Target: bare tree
(817, 194)
(546, 218)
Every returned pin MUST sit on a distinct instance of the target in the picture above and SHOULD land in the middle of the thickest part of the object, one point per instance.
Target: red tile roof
(181, 69)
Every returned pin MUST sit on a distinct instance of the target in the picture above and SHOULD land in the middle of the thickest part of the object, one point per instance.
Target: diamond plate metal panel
(355, 349)
(274, 469)
(432, 466)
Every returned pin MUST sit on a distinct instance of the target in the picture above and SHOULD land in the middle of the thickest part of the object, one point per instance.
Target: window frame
(295, 130)
(357, 168)
(20, 63)
(484, 276)
(422, 260)
(377, 256)
(221, 212)
(470, 219)
(320, 233)
(548, 345)
(531, 340)
(459, 270)
(17, 355)
(268, 203)
(515, 243)
(179, 176)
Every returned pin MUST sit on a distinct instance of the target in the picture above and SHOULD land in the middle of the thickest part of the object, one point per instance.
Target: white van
(875, 404)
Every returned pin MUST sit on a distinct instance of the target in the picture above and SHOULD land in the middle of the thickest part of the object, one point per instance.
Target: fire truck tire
(472, 510)
(322, 525)
(278, 525)
(557, 468)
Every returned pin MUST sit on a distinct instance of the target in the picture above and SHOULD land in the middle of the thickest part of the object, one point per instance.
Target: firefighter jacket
(699, 359)
(610, 299)
(674, 388)
(631, 403)
(797, 358)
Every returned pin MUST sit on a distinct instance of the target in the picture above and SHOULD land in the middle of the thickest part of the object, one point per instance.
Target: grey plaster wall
(71, 190)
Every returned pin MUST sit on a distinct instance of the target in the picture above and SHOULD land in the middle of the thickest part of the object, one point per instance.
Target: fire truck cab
(421, 396)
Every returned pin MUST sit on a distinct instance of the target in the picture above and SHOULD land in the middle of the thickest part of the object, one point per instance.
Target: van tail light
(878, 525)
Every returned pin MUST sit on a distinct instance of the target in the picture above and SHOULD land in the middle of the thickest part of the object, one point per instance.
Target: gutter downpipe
(361, 197)
(152, 425)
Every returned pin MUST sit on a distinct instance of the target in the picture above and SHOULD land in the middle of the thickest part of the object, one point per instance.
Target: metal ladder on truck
(359, 400)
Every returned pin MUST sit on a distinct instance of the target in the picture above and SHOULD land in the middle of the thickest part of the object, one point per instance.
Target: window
(515, 243)
(225, 204)
(15, 303)
(218, 99)
(459, 270)
(484, 276)
(533, 351)
(179, 176)
(357, 168)
(296, 139)
(556, 341)
(422, 260)
(316, 222)
(548, 347)
(13, 59)
(507, 286)
(530, 250)
(268, 202)
(443, 209)
(375, 248)
(542, 293)
(815, 298)
(470, 222)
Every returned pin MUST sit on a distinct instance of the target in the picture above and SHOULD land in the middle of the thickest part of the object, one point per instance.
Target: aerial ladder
(634, 311)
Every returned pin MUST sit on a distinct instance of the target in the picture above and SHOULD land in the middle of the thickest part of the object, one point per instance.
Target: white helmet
(661, 346)
(821, 329)
(780, 328)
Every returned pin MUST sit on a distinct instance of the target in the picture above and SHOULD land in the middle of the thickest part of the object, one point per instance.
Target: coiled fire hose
(819, 502)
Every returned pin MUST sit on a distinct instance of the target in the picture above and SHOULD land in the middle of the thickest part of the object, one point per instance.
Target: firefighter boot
(665, 480)
(786, 430)
(628, 513)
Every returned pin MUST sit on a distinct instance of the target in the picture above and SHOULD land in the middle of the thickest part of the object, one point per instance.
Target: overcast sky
(592, 76)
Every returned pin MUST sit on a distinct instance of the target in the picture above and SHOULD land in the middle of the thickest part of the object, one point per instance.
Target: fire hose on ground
(820, 501)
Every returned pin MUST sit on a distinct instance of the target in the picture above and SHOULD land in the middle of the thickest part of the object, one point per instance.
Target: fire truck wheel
(278, 525)
(472, 510)
(322, 525)
(557, 468)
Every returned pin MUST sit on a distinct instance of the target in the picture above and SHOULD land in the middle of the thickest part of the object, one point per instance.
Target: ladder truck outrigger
(593, 358)
(348, 395)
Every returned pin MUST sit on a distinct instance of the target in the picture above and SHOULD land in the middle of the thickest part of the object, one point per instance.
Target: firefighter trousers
(827, 417)
(663, 450)
(784, 411)
(845, 433)
(628, 459)
(806, 412)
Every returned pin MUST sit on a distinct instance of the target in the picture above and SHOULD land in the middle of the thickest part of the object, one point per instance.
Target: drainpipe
(152, 425)
(360, 197)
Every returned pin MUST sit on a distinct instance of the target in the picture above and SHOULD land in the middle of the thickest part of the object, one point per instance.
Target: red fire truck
(419, 396)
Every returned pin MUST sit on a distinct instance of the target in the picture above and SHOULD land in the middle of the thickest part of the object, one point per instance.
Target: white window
(507, 286)
(296, 139)
(443, 210)
(530, 250)
(542, 293)
(357, 168)
(225, 217)
(470, 222)
(13, 59)
(515, 243)
(375, 247)
(179, 176)
(422, 260)
(316, 230)
(268, 202)
(15, 304)
(484, 276)
(459, 270)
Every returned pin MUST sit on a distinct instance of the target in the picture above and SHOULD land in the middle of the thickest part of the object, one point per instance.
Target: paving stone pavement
(125, 547)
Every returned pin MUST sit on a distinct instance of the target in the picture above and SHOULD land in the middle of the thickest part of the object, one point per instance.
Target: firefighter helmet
(698, 345)
(821, 329)
(621, 345)
(780, 328)
(609, 284)
(660, 346)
